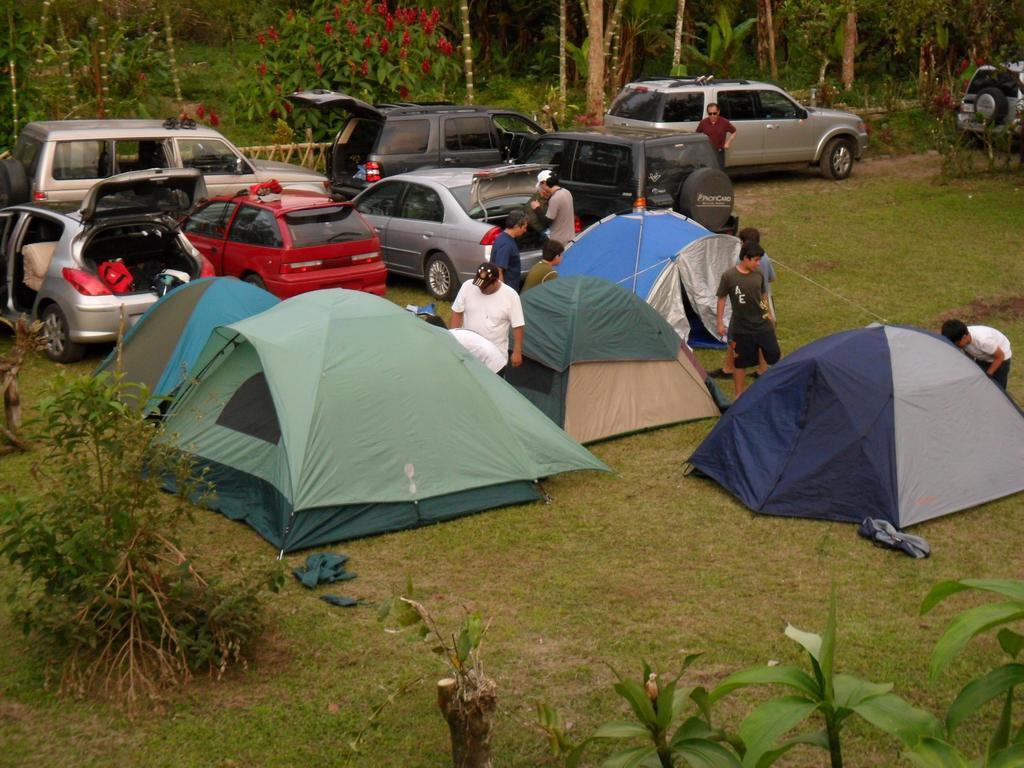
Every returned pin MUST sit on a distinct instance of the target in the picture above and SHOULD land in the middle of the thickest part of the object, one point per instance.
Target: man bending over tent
(986, 346)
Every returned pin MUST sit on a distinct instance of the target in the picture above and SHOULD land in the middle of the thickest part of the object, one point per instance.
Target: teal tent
(161, 347)
(337, 414)
(600, 361)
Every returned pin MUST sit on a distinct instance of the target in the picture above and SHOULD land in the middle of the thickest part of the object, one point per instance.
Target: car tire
(14, 187)
(59, 346)
(707, 197)
(837, 160)
(253, 279)
(440, 277)
(991, 103)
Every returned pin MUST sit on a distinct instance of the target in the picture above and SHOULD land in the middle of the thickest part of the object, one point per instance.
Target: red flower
(444, 46)
(319, 68)
(423, 16)
(389, 23)
(261, 39)
(403, 52)
(328, 29)
(435, 15)
(382, 8)
(288, 107)
(406, 39)
(263, 69)
(367, 7)
(274, 114)
(428, 26)
(272, 34)
(403, 92)
(352, 28)
(143, 77)
(214, 119)
(364, 70)
(425, 66)
(368, 42)
(385, 46)
(200, 111)
(337, 12)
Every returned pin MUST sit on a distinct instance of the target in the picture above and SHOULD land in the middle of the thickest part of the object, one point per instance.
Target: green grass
(641, 564)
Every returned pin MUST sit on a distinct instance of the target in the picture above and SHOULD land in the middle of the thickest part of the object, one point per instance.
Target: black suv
(609, 169)
(384, 139)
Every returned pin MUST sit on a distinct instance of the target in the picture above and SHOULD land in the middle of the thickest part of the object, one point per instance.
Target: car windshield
(331, 224)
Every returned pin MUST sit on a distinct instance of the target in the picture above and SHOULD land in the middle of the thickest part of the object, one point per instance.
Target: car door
(740, 108)
(7, 221)
(207, 229)
(468, 141)
(379, 204)
(554, 152)
(224, 169)
(788, 135)
(254, 243)
(416, 228)
(516, 134)
(601, 179)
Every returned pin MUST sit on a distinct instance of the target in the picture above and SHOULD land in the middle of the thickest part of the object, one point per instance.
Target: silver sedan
(438, 224)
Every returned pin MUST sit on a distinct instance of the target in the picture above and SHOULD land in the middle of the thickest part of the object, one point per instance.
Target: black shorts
(746, 346)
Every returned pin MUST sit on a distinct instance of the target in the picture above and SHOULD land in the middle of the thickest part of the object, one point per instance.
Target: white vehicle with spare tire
(993, 100)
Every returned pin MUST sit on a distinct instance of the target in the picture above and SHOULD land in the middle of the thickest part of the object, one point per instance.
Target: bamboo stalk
(65, 64)
(467, 49)
(14, 75)
(102, 60)
(174, 60)
(42, 32)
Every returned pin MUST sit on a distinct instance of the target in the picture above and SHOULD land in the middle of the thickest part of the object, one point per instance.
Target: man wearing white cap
(559, 217)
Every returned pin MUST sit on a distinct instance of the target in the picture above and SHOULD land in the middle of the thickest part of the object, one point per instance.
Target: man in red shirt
(719, 130)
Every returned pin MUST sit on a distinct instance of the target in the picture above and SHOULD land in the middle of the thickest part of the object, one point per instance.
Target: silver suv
(994, 99)
(63, 159)
(773, 131)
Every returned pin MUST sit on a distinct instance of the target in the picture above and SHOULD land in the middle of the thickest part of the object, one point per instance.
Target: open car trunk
(145, 249)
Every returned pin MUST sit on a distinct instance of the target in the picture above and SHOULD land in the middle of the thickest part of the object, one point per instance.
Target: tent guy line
(838, 295)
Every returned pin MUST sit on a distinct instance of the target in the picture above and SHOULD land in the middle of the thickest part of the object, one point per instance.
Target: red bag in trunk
(116, 276)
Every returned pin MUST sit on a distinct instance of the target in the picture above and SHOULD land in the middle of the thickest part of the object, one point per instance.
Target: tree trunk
(762, 35)
(467, 49)
(595, 63)
(469, 722)
(771, 39)
(563, 86)
(677, 36)
(849, 48)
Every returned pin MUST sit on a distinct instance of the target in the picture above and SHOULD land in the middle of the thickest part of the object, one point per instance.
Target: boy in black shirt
(752, 327)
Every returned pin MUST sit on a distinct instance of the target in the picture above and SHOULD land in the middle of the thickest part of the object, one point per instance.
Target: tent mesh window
(251, 411)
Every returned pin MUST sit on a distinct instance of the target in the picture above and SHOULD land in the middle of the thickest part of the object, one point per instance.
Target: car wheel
(254, 279)
(440, 276)
(59, 346)
(14, 188)
(991, 104)
(837, 160)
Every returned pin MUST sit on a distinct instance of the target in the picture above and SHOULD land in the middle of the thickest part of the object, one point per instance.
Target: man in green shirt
(544, 270)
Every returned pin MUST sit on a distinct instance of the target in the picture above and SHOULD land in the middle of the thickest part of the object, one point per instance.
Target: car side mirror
(801, 114)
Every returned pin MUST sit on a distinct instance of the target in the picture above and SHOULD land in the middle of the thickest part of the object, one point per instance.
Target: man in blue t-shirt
(505, 251)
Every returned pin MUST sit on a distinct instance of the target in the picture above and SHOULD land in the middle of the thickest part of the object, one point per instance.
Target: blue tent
(670, 261)
(885, 421)
(161, 347)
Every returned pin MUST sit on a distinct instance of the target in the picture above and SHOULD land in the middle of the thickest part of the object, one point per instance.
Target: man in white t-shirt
(489, 307)
(986, 346)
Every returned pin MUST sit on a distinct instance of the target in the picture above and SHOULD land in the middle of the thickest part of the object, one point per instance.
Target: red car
(289, 243)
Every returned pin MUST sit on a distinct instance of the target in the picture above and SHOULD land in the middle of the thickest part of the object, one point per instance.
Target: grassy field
(643, 564)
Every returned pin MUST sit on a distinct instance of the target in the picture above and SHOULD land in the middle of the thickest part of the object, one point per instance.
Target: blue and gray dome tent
(670, 261)
(886, 422)
(162, 346)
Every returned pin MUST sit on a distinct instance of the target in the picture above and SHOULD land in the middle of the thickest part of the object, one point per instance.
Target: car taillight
(491, 236)
(371, 256)
(292, 267)
(372, 171)
(37, 195)
(85, 283)
(577, 224)
(207, 269)
(639, 204)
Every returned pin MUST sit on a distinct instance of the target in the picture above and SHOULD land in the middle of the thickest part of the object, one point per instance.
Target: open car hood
(322, 99)
(169, 192)
(504, 180)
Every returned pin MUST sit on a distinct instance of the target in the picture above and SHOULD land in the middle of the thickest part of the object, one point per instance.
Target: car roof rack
(690, 80)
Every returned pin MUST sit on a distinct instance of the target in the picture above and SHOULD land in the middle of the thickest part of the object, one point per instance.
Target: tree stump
(469, 714)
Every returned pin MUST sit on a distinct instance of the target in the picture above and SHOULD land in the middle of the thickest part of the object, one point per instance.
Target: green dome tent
(337, 414)
(600, 361)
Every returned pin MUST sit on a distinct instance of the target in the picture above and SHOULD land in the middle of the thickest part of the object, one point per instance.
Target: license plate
(967, 108)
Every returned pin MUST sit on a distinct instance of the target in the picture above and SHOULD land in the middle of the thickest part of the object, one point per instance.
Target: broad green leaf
(770, 721)
(1011, 642)
(814, 738)
(692, 728)
(968, 624)
(982, 690)
(851, 691)
(1000, 739)
(463, 646)
(1011, 757)
(810, 641)
(666, 706)
(475, 629)
(794, 677)
(635, 694)
(895, 716)
(932, 752)
(700, 697)
(574, 757)
(621, 729)
(690, 658)
(630, 758)
(702, 753)
(1011, 588)
(828, 648)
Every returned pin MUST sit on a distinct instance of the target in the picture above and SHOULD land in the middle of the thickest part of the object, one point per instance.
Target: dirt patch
(985, 308)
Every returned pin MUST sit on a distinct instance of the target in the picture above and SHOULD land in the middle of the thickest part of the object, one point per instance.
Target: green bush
(104, 575)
